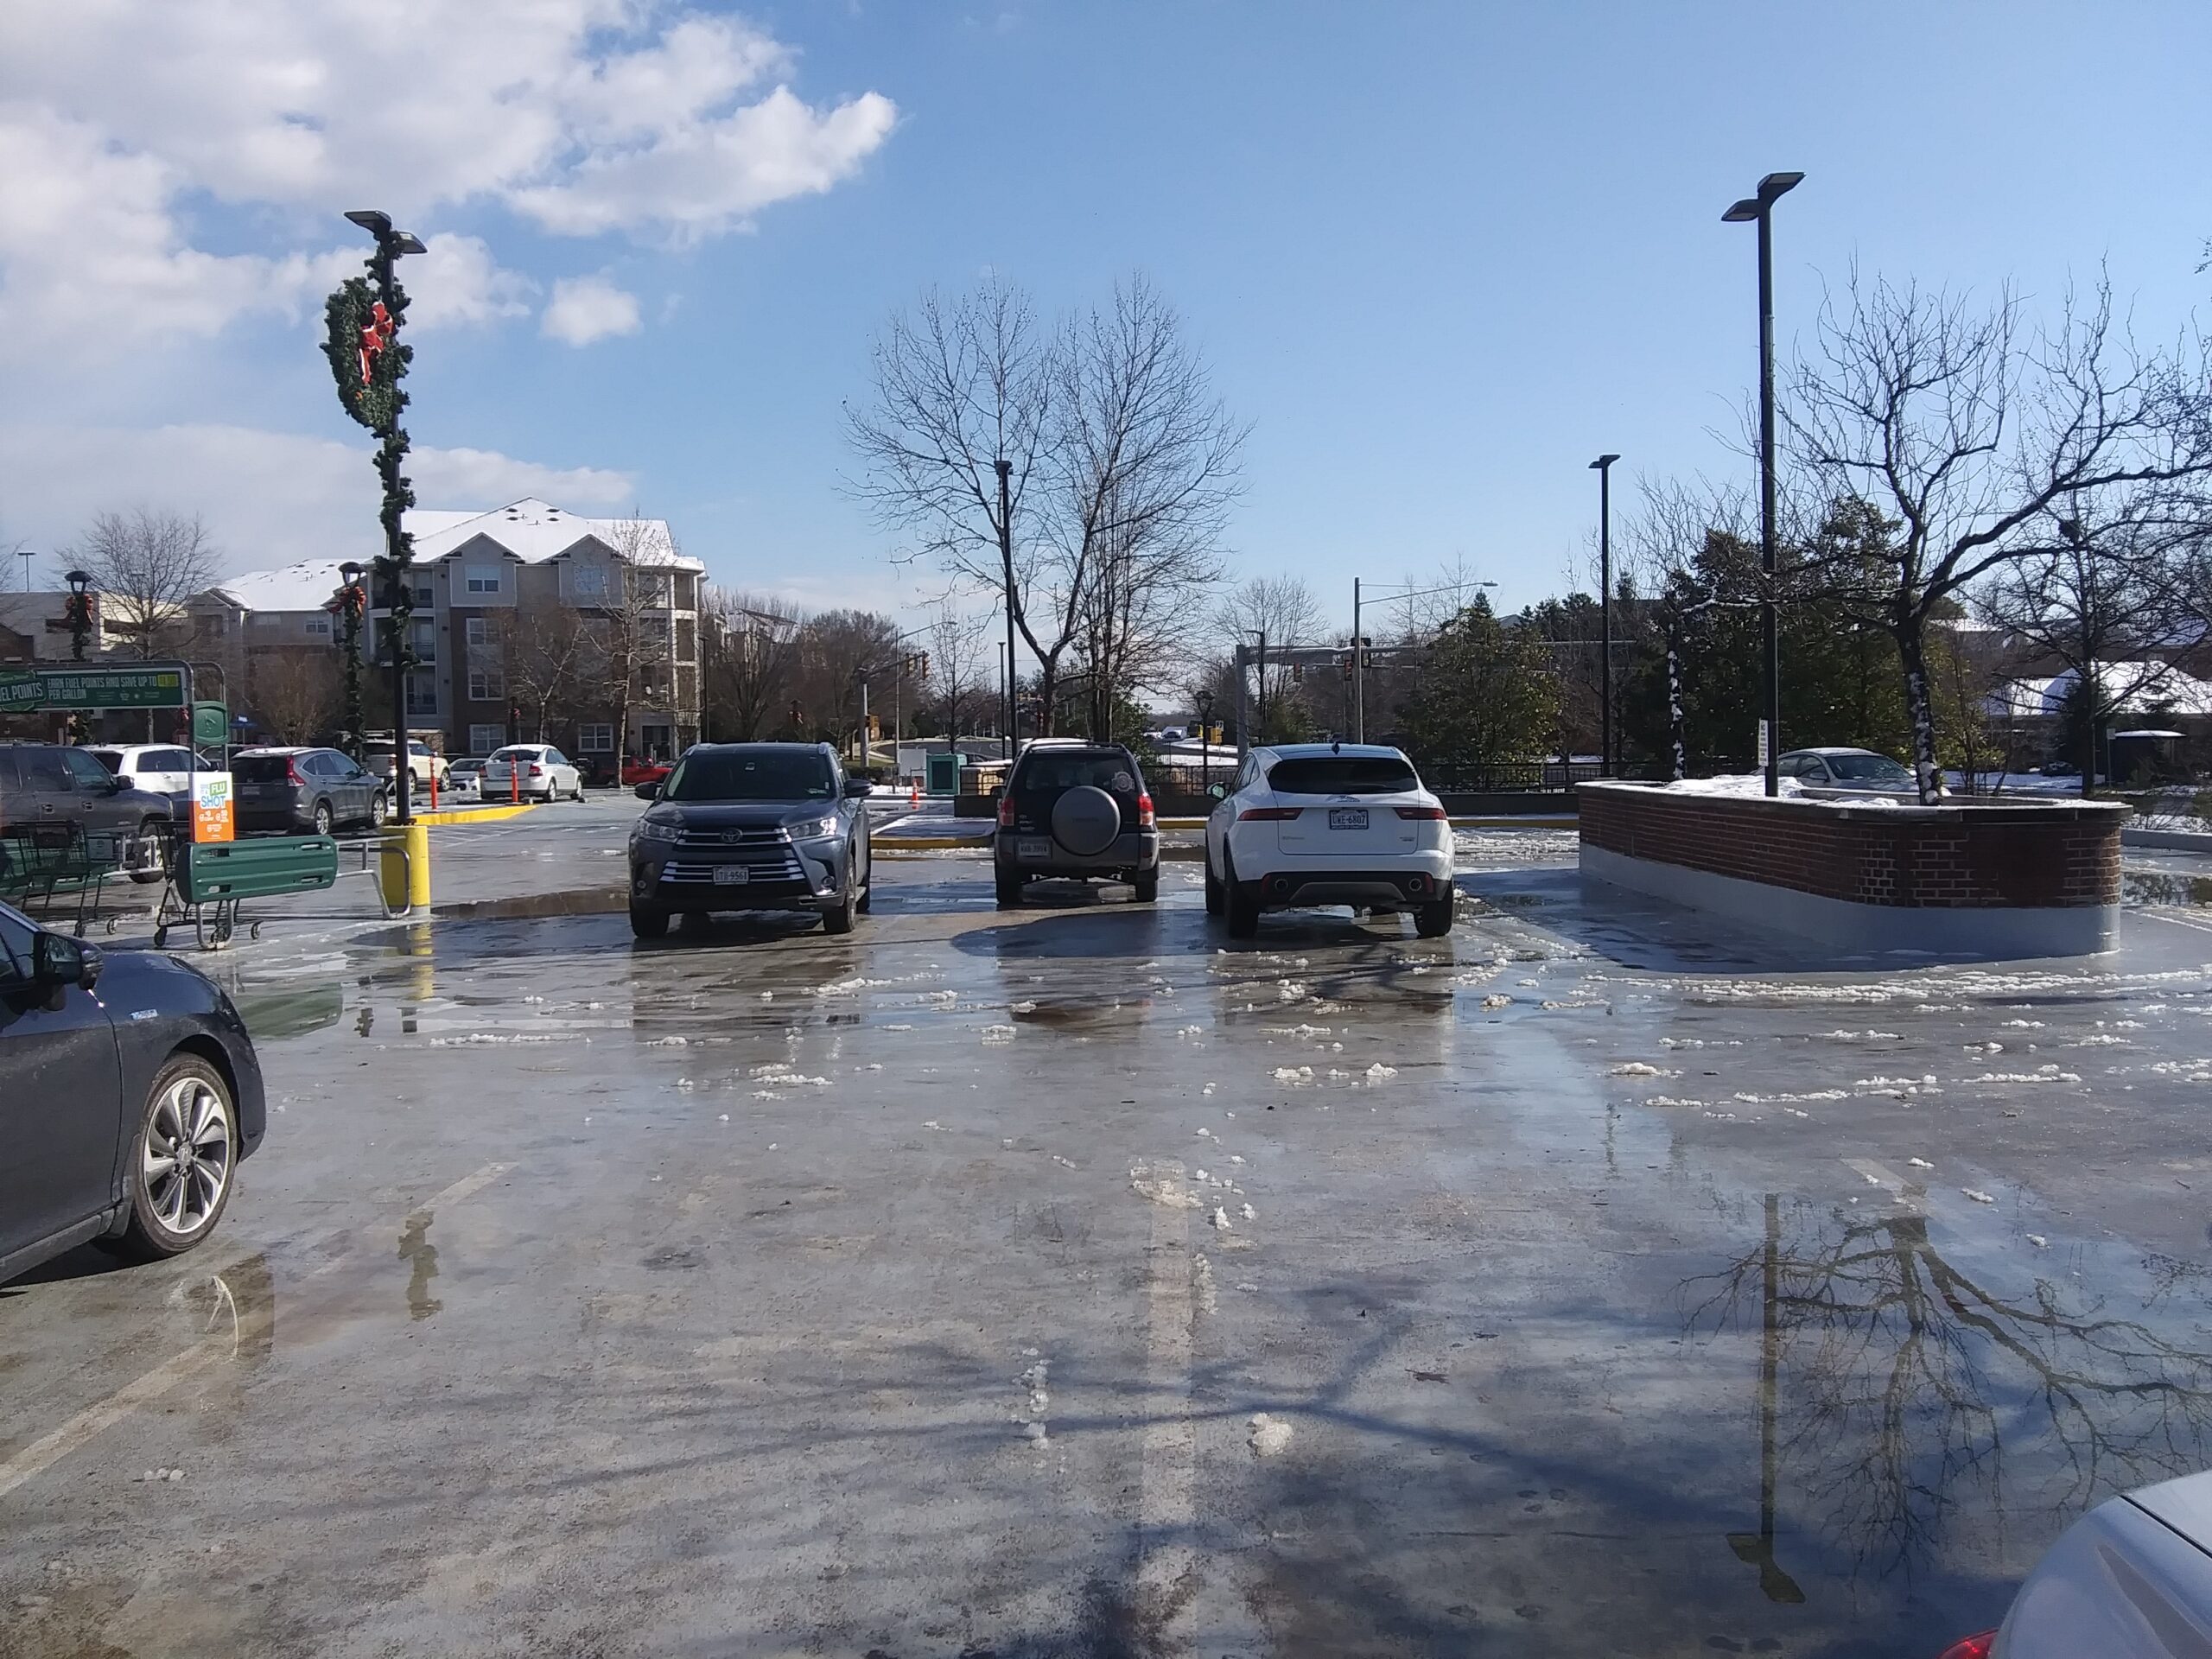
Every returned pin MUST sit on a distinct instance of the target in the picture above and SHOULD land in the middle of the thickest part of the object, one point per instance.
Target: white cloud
(586, 309)
(269, 498)
(642, 116)
(456, 282)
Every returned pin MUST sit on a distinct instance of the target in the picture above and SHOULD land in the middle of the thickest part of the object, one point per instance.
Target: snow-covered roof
(535, 531)
(306, 586)
(2140, 688)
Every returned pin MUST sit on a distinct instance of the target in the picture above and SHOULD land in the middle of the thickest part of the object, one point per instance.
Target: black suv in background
(752, 826)
(1075, 809)
(51, 794)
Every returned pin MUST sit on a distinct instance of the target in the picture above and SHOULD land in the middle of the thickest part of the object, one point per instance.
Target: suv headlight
(656, 830)
(812, 828)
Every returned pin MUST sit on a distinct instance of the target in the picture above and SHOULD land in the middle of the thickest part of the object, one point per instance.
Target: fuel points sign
(22, 691)
(213, 817)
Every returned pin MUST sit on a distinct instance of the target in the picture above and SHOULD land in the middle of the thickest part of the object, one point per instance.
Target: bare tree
(834, 647)
(543, 657)
(631, 630)
(1148, 464)
(959, 646)
(750, 661)
(294, 691)
(952, 447)
(144, 565)
(1974, 439)
(1023, 462)
(1283, 612)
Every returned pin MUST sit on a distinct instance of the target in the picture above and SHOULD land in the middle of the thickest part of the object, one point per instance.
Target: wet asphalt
(1071, 1281)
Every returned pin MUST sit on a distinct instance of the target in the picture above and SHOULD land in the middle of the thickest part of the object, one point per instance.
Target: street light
(80, 614)
(1759, 210)
(1604, 467)
(1006, 561)
(1359, 647)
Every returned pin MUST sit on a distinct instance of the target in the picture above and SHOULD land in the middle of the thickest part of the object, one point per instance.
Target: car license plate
(1347, 818)
(731, 875)
(1036, 847)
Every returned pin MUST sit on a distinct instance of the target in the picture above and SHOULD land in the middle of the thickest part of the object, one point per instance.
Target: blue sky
(1439, 255)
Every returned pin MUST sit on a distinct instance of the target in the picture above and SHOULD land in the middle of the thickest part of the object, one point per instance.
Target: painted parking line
(151, 1385)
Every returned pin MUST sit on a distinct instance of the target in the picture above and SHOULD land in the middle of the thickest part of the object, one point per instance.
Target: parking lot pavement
(1068, 1281)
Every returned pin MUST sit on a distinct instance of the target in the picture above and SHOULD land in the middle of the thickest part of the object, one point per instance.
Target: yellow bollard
(403, 871)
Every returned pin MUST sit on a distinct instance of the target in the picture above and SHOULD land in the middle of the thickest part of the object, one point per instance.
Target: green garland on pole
(362, 324)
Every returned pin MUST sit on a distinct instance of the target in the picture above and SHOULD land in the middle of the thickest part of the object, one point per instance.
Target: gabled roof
(307, 586)
(535, 531)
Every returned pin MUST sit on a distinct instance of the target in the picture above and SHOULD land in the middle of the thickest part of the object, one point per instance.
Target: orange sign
(213, 818)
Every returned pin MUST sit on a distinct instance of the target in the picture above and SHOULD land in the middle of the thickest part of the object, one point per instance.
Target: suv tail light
(292, 772)
(1259, 814)
(1145, 820)
(1428, 812)
(1973, 1646)
(1006, 811)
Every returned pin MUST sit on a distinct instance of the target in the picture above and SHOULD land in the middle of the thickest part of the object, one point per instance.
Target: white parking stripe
(1167, 1477)
(149, 1386)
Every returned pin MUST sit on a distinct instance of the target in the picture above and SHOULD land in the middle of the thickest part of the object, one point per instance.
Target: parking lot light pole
(80, 614)
(1759, 210)
(1006, 564)
(1604, 467)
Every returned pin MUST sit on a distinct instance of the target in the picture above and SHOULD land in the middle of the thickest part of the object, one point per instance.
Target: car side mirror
(57, 961)
(857, 787)
(648, 792)
(1219, 792)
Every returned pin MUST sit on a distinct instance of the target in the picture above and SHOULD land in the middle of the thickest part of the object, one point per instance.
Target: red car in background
(636, 772)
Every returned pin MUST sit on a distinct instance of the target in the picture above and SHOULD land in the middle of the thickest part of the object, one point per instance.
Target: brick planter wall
(1869, 874)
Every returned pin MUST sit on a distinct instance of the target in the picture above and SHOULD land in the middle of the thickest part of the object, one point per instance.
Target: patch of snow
(998, 1034)
(1978, 1196)
(1271, 1435)
(1379, 1072)
(1638, 1068)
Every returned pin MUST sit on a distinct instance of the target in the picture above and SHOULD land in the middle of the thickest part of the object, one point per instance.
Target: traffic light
(923, 660)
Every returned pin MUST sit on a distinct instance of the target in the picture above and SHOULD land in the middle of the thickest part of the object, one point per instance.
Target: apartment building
(485, 584)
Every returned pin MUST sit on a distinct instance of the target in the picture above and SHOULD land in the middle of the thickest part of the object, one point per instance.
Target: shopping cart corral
(57, 872)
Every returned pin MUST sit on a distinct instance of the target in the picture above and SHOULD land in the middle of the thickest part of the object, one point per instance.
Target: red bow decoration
(375, 337)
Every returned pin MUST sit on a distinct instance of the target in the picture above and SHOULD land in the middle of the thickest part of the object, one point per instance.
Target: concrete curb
(474, 814)
(2178, 840)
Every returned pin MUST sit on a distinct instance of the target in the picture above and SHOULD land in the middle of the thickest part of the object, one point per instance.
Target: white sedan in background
(531, 771)
(1328, 823)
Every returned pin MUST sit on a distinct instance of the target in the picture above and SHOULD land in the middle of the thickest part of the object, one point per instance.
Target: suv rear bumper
(1407, 883)
(1138, 849)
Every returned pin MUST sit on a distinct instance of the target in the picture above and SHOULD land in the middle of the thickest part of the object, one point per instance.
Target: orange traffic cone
(914, 796)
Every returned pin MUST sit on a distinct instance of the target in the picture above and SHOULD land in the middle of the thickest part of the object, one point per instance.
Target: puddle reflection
(422, 1257)
(1901, 1392)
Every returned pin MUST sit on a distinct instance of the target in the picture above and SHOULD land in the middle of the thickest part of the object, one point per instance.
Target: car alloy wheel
(181, 1158)
(323, 819)
(377, 810)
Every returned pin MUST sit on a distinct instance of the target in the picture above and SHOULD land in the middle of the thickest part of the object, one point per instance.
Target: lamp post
(80, 614)
(1203, 702)
(1759, 210)
(1604, 467)
(1006, 564)
(368, 330)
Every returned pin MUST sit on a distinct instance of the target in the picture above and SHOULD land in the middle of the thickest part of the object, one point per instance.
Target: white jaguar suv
(1328, 823)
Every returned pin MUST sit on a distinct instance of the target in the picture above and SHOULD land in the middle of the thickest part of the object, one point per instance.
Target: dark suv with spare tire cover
(1075, 809)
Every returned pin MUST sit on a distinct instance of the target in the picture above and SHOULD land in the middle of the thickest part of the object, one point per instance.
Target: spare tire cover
(1086, 820)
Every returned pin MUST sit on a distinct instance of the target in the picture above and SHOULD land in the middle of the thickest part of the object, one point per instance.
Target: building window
(425, 598)
(483, 578)
(320, 626)
(482, 740)
(587, 582)
(596, 739)
(480, 631)
(486, 683)
(421, 694)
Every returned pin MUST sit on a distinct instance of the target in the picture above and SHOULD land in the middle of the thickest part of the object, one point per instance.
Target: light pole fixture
(1759, 210)
(367, 360)
(80, 614)
(1604, 467)
(1005, 468)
